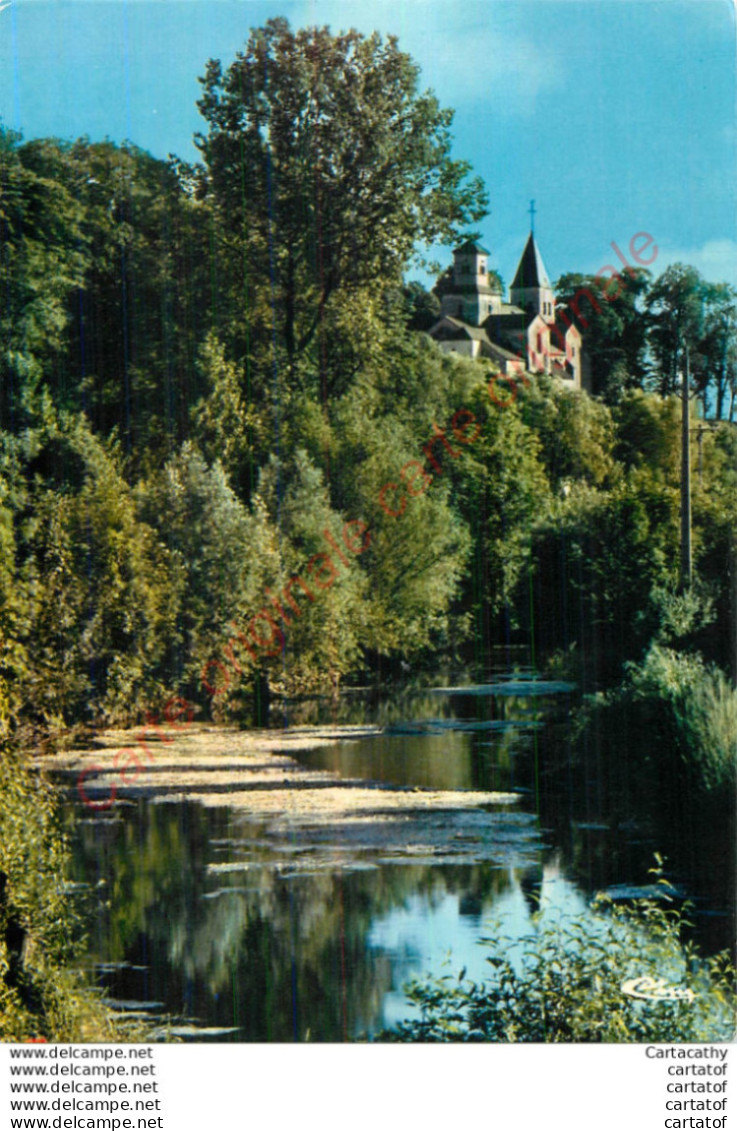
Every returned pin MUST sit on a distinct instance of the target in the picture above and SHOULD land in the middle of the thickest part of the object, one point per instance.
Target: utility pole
(685, 477)
(733, 602)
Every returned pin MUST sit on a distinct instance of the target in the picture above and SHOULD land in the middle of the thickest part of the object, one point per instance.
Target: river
(255, 926)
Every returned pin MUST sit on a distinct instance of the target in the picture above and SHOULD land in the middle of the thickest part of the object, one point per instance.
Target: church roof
(506, 321)
(471, 246)
(458, 328)
(531, 271)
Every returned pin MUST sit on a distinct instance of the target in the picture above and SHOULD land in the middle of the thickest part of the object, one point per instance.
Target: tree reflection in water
(311, 935)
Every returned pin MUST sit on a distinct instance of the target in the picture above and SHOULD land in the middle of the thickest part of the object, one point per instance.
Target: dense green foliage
(638, 330)
(564, 983)
(213, 375)
(611, 316)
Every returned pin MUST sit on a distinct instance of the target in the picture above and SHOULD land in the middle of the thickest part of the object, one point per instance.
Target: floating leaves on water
(645, 891)
(520, 687)
(231, 866)
(114, 967)
(227, 891)
(134, 1006)
(440, 726)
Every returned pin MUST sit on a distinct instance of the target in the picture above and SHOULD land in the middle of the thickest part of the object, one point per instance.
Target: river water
(195, 915)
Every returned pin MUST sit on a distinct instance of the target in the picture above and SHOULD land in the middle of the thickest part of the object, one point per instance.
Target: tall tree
(613, 324)
(717, 355)
(676, 308)
(41, 265)
(327, 168)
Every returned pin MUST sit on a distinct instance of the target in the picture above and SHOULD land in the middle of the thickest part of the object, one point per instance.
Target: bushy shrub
(694, 710)
(668, 732)
(676, 618)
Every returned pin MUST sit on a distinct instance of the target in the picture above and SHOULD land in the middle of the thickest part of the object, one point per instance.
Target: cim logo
(647, 988)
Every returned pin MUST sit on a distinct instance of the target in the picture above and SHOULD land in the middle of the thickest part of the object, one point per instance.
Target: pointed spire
(531, 270)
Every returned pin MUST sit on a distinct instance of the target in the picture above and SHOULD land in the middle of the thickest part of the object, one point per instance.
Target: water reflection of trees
(411, 698)
(283, 956)
(488, 750)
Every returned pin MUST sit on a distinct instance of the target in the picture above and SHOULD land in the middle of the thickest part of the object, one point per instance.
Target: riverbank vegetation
(680, 718)
(40, 996)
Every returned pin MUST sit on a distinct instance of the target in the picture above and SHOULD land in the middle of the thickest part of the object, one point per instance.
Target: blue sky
(616, 116)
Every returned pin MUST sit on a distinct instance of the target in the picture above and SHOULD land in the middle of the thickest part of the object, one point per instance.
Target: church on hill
(526, 334)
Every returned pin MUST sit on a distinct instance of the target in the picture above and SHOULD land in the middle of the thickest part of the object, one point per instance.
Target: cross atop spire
(532, 210)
